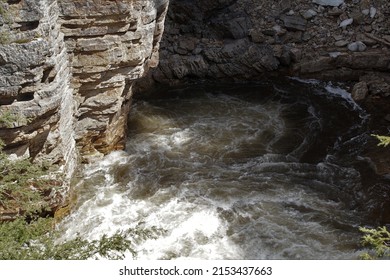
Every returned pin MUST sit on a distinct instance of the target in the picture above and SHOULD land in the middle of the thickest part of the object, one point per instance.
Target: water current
(254, 171)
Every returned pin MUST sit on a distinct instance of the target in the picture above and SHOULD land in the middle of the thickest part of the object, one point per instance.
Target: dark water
(259, 171)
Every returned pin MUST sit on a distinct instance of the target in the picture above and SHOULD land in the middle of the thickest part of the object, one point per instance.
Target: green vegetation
(25, 189)
(24, 186)
(35, 240)
(7, 119)
(378, 240)
(383, 140)
(4, 37)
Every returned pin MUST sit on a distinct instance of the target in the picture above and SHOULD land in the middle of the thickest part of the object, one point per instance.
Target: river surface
(255, 171)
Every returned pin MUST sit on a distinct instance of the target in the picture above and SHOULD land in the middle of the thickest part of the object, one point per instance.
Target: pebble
(309, 14)
(357, 47)
(341, 43)
(372, 12)
(334, 54)
(346, 22)
(334, 3)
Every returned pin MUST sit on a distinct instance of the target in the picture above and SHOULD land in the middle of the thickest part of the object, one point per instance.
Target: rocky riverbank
(68, 67)
(246, 40)
(238, 40)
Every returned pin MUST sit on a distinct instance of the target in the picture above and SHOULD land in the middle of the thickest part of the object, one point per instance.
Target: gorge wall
(67, 67)
(246, 40)
(66, 73)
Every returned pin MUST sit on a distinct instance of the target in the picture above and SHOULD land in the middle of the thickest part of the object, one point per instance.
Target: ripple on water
(226, 176)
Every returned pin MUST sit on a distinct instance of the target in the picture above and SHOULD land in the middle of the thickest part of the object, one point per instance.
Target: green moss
(5, 37)
(7, 119)
(22, 41)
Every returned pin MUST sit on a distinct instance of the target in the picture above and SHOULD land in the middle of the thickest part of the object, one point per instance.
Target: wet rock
(357, 47)
(360, 91)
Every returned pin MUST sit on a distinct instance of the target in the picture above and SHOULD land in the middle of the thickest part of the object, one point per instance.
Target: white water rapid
(230, 172)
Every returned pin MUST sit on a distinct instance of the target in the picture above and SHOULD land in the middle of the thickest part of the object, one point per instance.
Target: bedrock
(66, 73)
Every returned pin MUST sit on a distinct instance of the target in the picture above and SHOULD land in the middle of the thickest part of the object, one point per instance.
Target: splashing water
(230, 172)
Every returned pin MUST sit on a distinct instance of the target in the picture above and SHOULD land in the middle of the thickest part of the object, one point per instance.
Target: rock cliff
(66, 72)
(67, 67)
(245, 39)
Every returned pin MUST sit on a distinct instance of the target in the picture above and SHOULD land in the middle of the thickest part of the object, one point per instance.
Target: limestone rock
(360, 91)
(357, 47)
(68, 67)
(341, 43)
(34, 83)
(372, 12)
(346, 22)
(308, 14)
(112, 44)
(295, 23)
(334, 3)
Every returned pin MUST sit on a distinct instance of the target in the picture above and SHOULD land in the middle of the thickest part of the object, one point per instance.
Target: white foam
(175, 177)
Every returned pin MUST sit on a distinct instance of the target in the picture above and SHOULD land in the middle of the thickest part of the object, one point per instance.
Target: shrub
(24, 186)
(35, 240)
(378, 240)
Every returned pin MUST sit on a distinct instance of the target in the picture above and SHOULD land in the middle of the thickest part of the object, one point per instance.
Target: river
(233, 171)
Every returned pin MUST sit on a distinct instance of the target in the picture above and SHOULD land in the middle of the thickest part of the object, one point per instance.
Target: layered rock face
(37, 107)
(111, 44)
(245, 39)
(66, 72)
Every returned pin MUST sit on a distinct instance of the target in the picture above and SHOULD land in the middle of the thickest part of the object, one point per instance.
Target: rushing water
(260, 171)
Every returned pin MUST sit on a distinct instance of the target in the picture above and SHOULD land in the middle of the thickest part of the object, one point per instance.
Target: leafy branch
(36, 241)
(383, 140)
(378, 240)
